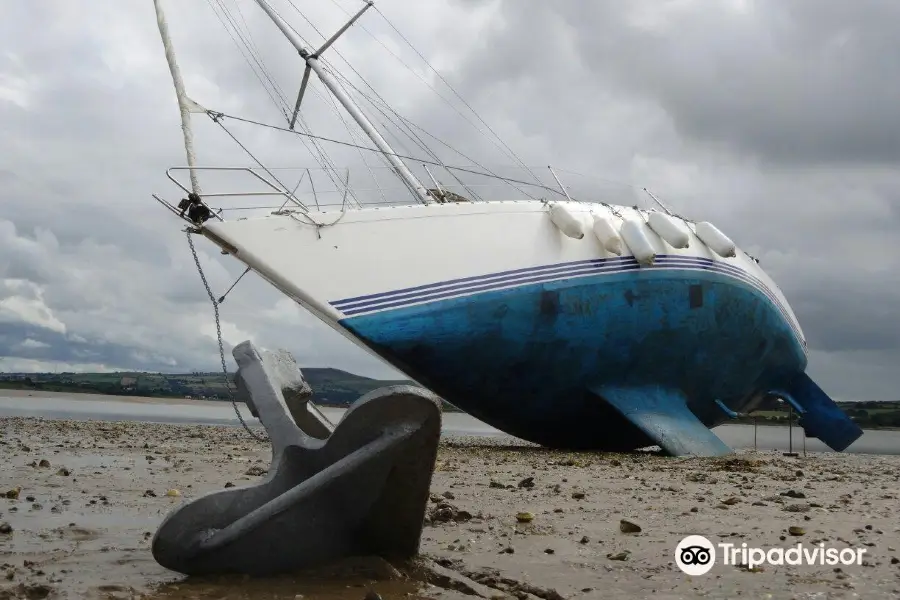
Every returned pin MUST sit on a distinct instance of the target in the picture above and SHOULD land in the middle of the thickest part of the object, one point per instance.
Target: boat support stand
(358, 488)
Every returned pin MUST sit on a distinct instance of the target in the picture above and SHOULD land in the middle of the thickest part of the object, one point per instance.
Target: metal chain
(215, 304)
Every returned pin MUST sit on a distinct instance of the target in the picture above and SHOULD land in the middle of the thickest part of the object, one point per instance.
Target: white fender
(717, 241)
(566, 222)
(607, 234)
(633, 234)
(670, 230)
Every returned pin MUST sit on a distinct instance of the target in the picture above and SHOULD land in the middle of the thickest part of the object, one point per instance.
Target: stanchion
(790, 451)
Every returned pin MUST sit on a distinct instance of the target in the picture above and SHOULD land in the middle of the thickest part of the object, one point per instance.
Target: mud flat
(84, 498)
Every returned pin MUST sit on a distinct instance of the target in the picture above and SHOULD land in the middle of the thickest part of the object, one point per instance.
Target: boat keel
(820, 416)
(663, 415)
(358, 488)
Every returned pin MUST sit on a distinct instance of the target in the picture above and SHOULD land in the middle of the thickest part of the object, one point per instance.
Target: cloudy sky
(777, 120)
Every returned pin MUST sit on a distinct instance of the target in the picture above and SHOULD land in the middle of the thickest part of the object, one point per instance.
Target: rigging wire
(362, 156)
(237, 7)
(216, 117)
(336, 178)
(264, 76)
(221, 115)
(342, 80)
(260, 72)
(323, 159)
(409, 125)
(399, 122)
(412, 124)
(353, 134)
(452, 89)
(320, 155)
(306, 42)
(505, 149)
(411, 134)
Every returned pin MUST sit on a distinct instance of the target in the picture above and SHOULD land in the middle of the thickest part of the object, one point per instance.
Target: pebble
(524, 517)
(793, 494)
(628, 526)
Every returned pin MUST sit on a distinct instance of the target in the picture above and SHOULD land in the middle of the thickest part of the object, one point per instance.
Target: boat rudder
(820, 416)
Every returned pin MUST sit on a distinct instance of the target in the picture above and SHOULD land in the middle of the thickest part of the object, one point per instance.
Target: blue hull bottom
(533, 360)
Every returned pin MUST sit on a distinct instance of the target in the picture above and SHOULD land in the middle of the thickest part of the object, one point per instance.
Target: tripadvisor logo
(696, 555)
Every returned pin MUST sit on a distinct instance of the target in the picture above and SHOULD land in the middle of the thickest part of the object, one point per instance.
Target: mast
(184, 103)
(312, 62)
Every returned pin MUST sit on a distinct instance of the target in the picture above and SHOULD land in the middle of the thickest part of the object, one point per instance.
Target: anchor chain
(215, 303)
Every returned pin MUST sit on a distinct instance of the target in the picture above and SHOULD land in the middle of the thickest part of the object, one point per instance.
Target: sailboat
(570, 323)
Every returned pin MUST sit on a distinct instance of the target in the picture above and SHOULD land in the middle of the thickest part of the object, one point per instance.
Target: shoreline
(81, 527)
(154, 400)
(82, 396)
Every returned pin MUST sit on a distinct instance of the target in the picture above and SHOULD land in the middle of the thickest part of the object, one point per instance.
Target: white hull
(377, 250)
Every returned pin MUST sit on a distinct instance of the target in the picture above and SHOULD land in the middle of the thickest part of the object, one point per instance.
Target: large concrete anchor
(358, 488)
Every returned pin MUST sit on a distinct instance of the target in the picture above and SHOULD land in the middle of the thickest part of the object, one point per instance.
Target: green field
(331, 387)
(868, 415)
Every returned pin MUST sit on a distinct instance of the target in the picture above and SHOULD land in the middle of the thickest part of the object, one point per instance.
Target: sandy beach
(83, 500)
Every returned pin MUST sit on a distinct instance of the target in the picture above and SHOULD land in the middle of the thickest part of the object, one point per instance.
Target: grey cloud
(787, 81)
(779, 125)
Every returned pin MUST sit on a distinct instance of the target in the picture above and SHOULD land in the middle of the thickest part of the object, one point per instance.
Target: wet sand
(81, 527)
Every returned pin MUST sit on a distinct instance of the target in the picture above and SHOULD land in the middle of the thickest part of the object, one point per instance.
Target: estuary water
(114, 408)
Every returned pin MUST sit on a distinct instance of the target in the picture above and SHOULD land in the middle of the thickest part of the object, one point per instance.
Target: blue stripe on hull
(548, 273)
(523, 358)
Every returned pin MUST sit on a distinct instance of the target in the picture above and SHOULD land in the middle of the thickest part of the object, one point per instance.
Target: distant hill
(331, 387)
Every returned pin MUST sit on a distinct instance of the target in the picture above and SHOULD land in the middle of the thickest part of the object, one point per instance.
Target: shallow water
(111, 408)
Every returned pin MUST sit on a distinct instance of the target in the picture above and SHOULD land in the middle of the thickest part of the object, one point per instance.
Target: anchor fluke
(362, 490)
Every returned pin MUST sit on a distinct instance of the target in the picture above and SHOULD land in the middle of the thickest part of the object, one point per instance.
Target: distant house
(128, 382)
